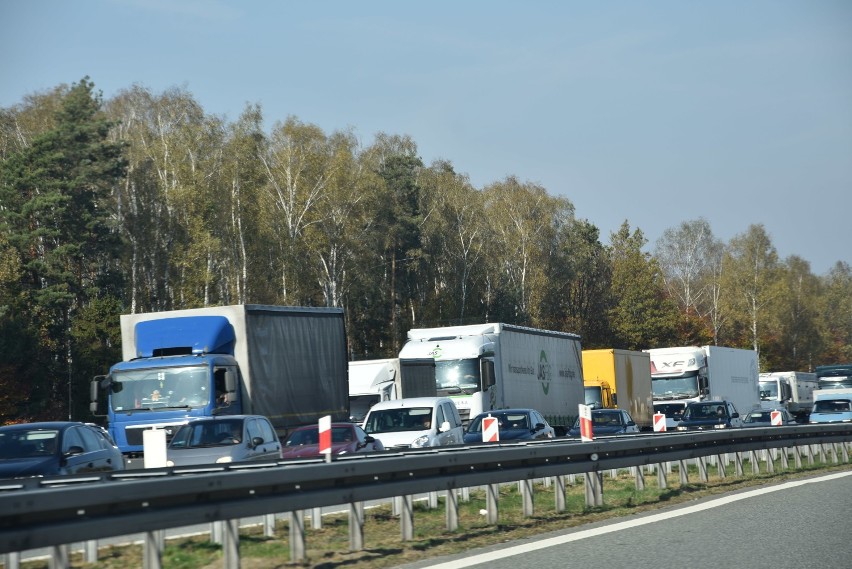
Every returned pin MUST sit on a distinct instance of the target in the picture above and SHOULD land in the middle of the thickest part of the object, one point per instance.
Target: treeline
(144, 202)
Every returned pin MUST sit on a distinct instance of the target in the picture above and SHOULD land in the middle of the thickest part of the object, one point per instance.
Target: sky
(655, 113)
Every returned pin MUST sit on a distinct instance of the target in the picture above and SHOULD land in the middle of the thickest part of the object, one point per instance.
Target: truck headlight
(420, 442)
(224, 460)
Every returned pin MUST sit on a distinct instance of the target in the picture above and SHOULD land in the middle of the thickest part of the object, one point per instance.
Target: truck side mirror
(230, 381)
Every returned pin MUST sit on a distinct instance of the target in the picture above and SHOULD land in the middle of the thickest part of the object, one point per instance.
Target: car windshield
(606, 419)
(670, 410)
(759, 417)
(832, 406)
(208, 434)
(704, 411)
(25, 443)
(311, 436)
(401, 419)
(505, 421)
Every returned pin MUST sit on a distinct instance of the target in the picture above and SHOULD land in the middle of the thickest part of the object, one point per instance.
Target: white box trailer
(499, 366)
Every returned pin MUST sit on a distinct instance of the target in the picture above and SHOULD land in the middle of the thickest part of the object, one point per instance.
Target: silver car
(224, 439)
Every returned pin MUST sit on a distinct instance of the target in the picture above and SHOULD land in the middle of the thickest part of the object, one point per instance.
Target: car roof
(333, 425)
(410, 402)
(43, 425)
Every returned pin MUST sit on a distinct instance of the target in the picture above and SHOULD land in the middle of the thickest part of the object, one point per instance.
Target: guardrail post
(12, 560)
(845, 452)
(60, 557)
(701, 462)
(492, 498)
(452, 507)
(738, 463)
(465, 494)
(785, 462)
(559, 492)
(822, 457)
(755, 462)
(527, 498)
(613, 473)
(216, 532)
(152, 550)
(297, 536)
(797, 457)
(594, 488)
(406, 518)
(316, 517)
(770, 462)
(356, 526)
(269, 525)
(683, 469)
(720, 466)
(90, 551)
(640, 477)
(231, 544)
(662, 481)
(433, 500)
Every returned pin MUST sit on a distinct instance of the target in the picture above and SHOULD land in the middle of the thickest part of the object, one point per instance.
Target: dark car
(608, 422)
(763, 418)
(512, 425)
(56, 448)
(346, 438)
(224, 439)
(709, 415)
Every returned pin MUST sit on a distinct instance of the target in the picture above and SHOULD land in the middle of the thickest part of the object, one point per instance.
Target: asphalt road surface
(804, 523)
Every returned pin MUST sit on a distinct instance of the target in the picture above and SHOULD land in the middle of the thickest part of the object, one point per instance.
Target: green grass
(328, 548)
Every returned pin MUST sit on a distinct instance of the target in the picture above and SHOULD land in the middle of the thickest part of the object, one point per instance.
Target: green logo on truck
(544, 372)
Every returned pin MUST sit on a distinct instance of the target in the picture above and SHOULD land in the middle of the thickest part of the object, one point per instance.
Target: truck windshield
(675, 387)
(157, 388)
(457, 374)
(593, 397)
(768, 390)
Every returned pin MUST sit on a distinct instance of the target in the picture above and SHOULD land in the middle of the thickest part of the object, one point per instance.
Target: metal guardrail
(54, 511)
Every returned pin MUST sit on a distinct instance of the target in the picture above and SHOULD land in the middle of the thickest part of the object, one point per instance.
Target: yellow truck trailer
(619, 379)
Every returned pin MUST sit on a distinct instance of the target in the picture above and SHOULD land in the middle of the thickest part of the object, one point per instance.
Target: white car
(417, 422)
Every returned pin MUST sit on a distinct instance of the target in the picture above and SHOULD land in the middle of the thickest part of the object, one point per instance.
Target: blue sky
(652, 112)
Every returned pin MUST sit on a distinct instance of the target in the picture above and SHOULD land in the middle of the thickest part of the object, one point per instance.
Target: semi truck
(791, 390)
(619, 379)
(681, 375)
(371, 381)
(835, 376)
(499, 366)
(287, 363)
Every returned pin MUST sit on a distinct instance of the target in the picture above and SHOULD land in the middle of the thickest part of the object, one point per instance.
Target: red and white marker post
(586, 423)
(325, 437)
(775, 418)
(659, 423)
(490, 430)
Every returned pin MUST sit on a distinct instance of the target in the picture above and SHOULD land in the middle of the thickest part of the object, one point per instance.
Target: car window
(266, 430)
(72, 439)
(439, 416)
(362, 436)
(253, 430)
(90, 439)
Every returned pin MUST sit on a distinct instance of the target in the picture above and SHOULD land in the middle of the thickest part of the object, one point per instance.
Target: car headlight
(681, 428)
(420, 442)
(170, 463)
(224, 460)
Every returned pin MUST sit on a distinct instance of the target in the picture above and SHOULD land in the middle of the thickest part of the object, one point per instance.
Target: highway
(804, 523)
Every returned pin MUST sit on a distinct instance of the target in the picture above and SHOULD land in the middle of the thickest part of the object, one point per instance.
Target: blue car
(513, 425)
(608, 422)
(56, 448)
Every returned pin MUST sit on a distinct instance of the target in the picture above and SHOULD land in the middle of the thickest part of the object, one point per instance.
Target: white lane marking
(583, 534)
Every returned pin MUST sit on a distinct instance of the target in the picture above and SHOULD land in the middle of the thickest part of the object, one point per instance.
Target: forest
(145, 202)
